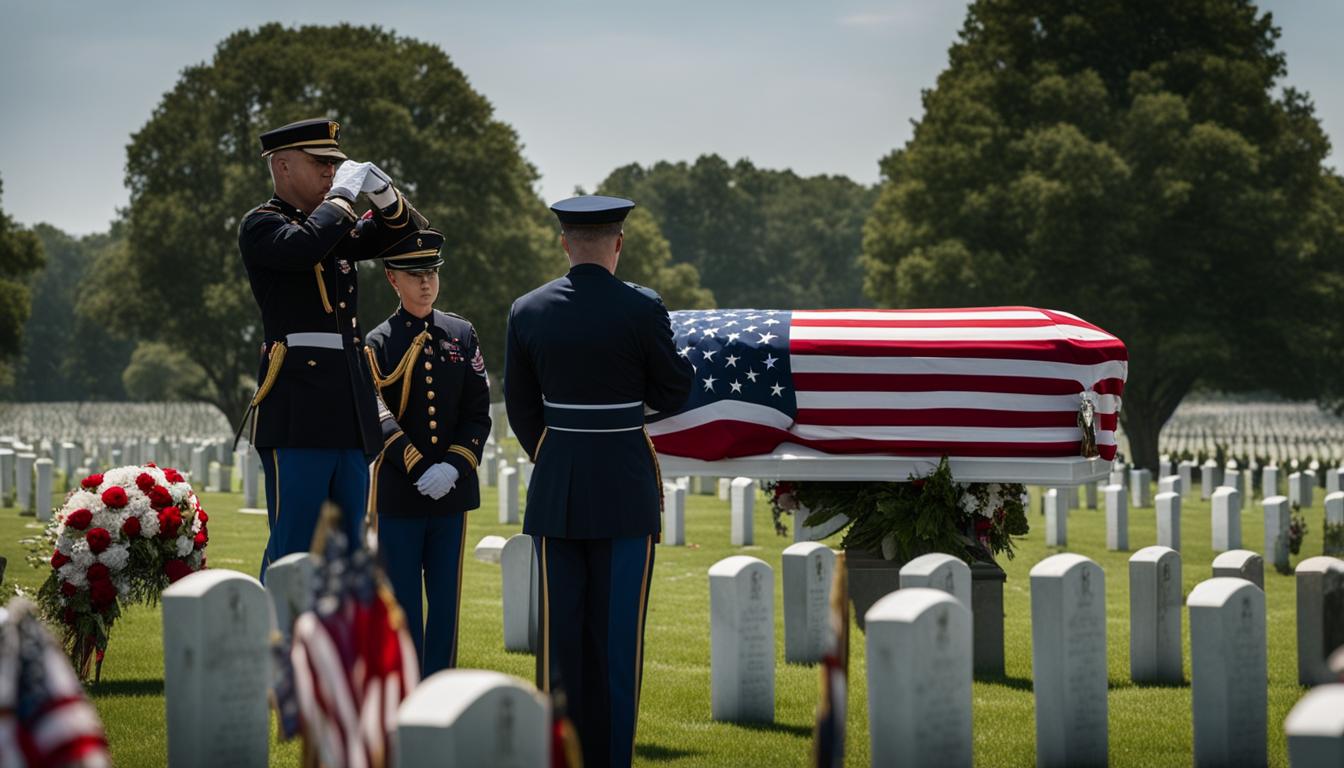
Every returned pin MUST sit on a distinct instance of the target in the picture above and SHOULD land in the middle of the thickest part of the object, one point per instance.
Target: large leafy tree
(20, 256)
(646, 259)
(1138, 165)
(758, 237)
(194, 170)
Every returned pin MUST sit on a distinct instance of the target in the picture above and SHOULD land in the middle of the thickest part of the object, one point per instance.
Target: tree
(646, 259)
(20, 255)
(194, 170)
(1139, 167)
(160, 372)
(758, 237)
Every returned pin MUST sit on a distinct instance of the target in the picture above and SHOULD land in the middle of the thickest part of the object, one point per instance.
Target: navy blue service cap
(319, 137)
(592, 209)
(418, 251)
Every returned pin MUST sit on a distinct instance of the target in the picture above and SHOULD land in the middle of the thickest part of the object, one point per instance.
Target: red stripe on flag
(931, 382)
(898, 322)
(1049, 350)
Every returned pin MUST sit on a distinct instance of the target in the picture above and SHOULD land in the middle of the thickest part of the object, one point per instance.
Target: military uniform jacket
(432, 377)
(585, 354)
(303, 276)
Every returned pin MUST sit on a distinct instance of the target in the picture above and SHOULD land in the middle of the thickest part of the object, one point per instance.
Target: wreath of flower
(973, 521)
(121, 537)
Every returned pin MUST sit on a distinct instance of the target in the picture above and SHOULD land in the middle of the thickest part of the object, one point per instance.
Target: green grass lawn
(1149, 726)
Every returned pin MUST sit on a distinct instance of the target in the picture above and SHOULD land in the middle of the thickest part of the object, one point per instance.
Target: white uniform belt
(323, 340)
(593, 417)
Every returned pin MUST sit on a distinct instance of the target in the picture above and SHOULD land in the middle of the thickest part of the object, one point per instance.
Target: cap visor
(326, 152)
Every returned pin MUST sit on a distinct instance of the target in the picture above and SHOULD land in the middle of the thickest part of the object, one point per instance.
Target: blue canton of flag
(739, 355)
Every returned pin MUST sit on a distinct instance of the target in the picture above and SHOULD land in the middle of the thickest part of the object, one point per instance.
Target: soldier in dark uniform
(586, 354)
(316, 419)
(428, 367)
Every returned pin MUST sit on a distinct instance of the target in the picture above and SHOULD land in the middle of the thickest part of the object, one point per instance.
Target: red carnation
(176, 569)
(200, 513)
(170, 520)
(131, 528)
(58, 559)
(159, 497)
(151, 464)
(172, 475)
(98, 572)
(144, 481)
(92, 481)
(102, 593)
(79, 519)
(98, 539)
(982, 525)
(69, 616)
(200, 539)
(115, 497)
(68, 589)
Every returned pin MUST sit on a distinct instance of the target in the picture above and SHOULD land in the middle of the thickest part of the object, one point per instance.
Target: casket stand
(871, 576)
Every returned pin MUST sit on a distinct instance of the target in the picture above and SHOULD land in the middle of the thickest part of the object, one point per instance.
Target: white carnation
(79, 552)
(74, 574)
(149, 524)
(63, 545)
(82, 499)
(123, 476)
(195, 524)
(111, 521)
(184, 546)
(139, 503)
(115, 557)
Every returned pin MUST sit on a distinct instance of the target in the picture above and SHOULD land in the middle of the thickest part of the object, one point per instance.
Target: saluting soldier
(585, 355)
(316, 420)
(428, 367)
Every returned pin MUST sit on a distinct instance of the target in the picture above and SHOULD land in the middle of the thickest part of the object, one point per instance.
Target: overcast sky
(819, 87)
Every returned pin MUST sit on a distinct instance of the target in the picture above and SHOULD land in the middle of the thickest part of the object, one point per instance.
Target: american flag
(993, 381)
(45, 718)
(353, 661)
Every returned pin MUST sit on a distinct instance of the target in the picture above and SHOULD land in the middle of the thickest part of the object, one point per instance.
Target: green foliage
(194, 170)
(20, 255)
(646, 259)
(1143, 170)
(758, 237)
(159, 372)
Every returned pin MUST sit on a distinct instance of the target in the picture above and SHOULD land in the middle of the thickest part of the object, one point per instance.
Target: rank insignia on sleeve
(478, 362)
(344, 266)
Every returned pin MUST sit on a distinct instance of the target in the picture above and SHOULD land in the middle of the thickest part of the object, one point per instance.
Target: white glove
(437, 481)
(349, 180)
(378, 186)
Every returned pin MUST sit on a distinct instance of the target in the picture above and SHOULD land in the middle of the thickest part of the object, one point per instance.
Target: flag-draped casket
(1001, 382)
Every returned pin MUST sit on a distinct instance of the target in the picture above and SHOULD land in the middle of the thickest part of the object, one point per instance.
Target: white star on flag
(765, 338)
(731, 360)
(750, 329)
(685, 352)
(736, 385)
(776, 390)
(770, 361)
(733, 337)
(709, 384)
(752, 375)
(709, 354)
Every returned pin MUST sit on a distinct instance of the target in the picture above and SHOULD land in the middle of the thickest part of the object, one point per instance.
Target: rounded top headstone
(1320, 564)
(804, 548)
(1217, 591)
(1275, 500)
(908, 604)
(444, 696)
(1151, 554)
(1319, 713)
(1058, 565)
(1233, 558)
(1166, 495)
(926, 564)
(1225, 490)
(200, 582)
(731, 566)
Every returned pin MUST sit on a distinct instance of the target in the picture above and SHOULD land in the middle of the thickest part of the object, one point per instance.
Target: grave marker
(508, 495)
(1240, 564)
(1315, 728)
(1226, 519)
(674, 515)
(1117, 518)
(808, 568)
(1320, 617)
(1068, 652)
(743, 493)
(521, 590)
(1228, 672)
(473, 717)
(742, 640)
(1169, 520)
(1155, 616)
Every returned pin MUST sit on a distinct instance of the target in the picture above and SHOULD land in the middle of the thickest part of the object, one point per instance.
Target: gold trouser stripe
(275, 360)
(545, 622)
(658, 478)
(464, 452)
(457, 606)
(639, 638)
(275, 460)
(542, 439)
(322, 287)
(371, 509)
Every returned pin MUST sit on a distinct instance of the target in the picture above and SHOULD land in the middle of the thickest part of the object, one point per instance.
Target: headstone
(1334, 479)
(938, 570)
(1334, 515)
(199, 469)
(289, 584)
(1140, 488)
(1233, 479)
(473, 717)
(251, 479)
(65, 458)
(1155, 616)
(674, 515)
(1091, 490)
(508, 495)
(1210, 477)
(1170, 484)
(42, 491)
(743, 502)
(808, 568)
(1240, 564)
(1168, 519)
(1320, 617)
(1228, 672)
(1269, 480)
(724, 485)
(1277, 514)
(226, 478)
(1226, 519)
(919, 679)
(216, 670)
(1164, 467)
(1118, 477)
(1117, 518)
(1056, 520)
(1315, 728)
(23, 480)
(214, 482)
(1299, 489)
(742, 640)
(6, 477)
(521, 591)
(490, 468)
(1068, 653)
(1070, 496)
(525, 470)
(1186, 470)
(489, 549)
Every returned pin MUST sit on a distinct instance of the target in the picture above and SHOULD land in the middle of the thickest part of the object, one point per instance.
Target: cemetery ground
(1149, 725)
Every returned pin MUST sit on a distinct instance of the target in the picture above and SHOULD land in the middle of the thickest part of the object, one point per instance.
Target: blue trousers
(298, 482)
(594, 597)
(426, 550)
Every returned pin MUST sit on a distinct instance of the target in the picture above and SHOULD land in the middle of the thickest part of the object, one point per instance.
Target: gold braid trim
(277, 358)
(658, 475)
(401, 372)
(322, 287)
(540, 440)
(390, 217)
(371, 509)
(464, 452)
(410, 457)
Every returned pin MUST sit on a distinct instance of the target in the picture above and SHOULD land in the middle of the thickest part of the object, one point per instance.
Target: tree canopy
(646, 259)
(1139, 166)
(194, 170)
(20, 256)
(758, 237)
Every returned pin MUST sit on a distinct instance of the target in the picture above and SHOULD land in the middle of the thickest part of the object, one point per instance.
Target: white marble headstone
(1315, 728)
(674, 515)
(1240, 564)
(1277, 515)
(1117, 518)
(1210, 477)
(489, 549)
(1334, 479)
(1300, 489)
(1170, 484)
(1090, 490)
(1226, 519)
(1168, 506)
(43, 489)
(23, 480)
(743, 500)
(520, 573)
(1068, 653)
(508, 495)
(724, 485)
(1228, 672)
(808, 568)
(742, 640)
(289, 585)
(1320, 617)
(1334, 515)
(1140, 487)
(473, 717)
(1186, 470)
(1155, 616)
(938, 570)
(1056, 520)
(6, 476)
(1269, 480)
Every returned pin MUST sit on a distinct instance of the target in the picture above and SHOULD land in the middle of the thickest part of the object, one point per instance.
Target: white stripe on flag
(923, 314)
(991, 401)
(727, 410)
(949, 434)
(959, 366)
(978, 333)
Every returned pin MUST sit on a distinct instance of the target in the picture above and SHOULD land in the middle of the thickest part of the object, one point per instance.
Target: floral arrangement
(973, 521)
(121, 537)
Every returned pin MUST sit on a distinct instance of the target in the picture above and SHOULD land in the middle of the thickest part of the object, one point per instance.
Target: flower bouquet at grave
(120, 538)
(973, 521)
